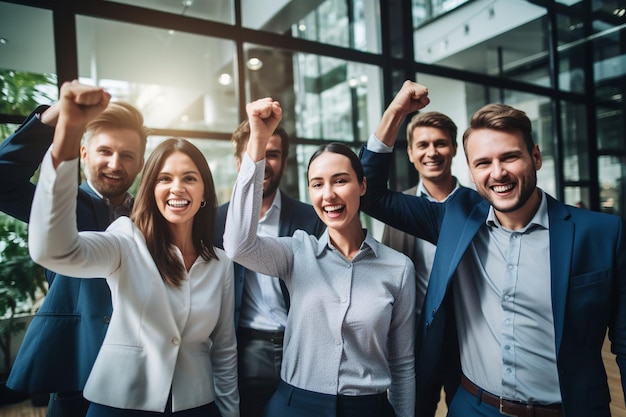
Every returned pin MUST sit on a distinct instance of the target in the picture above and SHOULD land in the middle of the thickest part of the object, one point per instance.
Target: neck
(348, 242)
(439, 190)
(181, 238)
(266, 204)
(520, 218)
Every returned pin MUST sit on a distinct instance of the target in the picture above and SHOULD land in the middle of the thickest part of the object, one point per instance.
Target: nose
(498, 170)
(114, 161)
(431, 150)
(177, 186)
(328, 192)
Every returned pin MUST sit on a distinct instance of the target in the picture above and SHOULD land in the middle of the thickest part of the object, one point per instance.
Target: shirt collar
(324, 243)
(116, 211)
(540, 218)
(423, 192)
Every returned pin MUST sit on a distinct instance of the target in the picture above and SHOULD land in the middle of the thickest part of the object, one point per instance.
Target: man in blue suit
(529, 285)
(262, 302)
(61, 343)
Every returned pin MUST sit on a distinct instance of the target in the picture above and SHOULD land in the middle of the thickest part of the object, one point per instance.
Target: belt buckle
(502, 409)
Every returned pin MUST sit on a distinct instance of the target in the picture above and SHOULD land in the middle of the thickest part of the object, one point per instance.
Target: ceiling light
(254, 64)
(4, 41)
(225, 79)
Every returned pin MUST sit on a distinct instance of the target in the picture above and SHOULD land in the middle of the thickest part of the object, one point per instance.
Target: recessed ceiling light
(4, 41)
(255, 64)
(225, 79)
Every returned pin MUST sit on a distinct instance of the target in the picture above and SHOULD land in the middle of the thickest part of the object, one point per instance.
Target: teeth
(502, 188)
(333, 208)
(178, 203)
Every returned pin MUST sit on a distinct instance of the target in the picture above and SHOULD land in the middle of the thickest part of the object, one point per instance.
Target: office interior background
(191, 66)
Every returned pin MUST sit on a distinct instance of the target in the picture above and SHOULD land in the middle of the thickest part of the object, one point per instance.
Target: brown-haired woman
(170, 348)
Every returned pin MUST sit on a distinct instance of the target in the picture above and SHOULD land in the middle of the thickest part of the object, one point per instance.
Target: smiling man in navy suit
(61, 343)
(530, 285)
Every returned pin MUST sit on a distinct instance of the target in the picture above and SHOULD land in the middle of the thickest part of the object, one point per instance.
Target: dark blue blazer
(587, 272)
(294, 215)
(62, 341)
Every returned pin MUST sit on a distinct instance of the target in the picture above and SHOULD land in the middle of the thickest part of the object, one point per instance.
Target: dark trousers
(260, 355)
(67, 404)
(99, 410)
(289, 401)
(465, 404)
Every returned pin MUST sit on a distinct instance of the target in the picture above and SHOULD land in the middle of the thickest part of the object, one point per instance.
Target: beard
(271, 187)
(529, 186)
(108, 190)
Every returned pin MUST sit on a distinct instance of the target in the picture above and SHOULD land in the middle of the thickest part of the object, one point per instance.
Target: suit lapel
(453, 243)
(100, 208)
(561, 244)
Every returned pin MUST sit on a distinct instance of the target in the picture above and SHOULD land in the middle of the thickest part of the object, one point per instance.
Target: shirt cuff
(375, 145)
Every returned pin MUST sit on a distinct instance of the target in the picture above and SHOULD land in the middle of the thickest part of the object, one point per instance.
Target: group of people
(266, 306)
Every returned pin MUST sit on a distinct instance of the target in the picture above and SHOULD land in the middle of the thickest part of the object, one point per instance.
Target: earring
(203, 203)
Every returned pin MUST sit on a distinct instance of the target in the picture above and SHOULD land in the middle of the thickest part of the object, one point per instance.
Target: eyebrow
(338, 174)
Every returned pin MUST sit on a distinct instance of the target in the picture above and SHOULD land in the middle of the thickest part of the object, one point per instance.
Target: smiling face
(335, 192)
(112, 158)
(431, 151)
(275, 164)
(505, 173)
(179, 189)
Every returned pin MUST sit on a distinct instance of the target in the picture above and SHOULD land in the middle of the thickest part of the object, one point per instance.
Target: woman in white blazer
(170, 348)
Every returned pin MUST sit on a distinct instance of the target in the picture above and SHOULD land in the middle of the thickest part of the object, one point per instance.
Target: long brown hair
(153, 225)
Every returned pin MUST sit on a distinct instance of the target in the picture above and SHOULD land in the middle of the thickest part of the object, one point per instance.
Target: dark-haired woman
(170, 348)
(349, 337)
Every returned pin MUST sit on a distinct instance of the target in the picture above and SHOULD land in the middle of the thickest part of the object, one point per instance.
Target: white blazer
(159, 337)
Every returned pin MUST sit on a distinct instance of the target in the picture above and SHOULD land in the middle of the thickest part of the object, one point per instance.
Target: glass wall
(172, 77)
(191, 66)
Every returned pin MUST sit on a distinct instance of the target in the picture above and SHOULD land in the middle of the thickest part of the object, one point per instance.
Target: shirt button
(338, 342)
(176, 341)
(507, 321)
(507, 347)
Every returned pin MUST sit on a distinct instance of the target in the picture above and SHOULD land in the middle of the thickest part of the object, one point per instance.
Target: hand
(263, 115)
(411, 97)
(79, 103)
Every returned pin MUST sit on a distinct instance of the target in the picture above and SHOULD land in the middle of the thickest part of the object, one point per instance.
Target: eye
(162, 179)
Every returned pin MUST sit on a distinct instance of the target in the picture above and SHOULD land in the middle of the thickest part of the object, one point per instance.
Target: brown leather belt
(512, 408)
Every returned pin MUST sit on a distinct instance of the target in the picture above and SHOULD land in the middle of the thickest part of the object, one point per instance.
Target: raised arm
(241, 243)
(20, 156)
(53, 238)
(411, 97)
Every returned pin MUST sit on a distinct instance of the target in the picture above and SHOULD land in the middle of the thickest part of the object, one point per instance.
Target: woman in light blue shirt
(349, 338)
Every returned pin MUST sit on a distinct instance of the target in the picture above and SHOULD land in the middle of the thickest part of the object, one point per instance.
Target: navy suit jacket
(587, 272)
(63, 340)
(294, 215)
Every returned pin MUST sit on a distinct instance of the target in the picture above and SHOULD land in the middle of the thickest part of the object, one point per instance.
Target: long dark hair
(154, 227)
